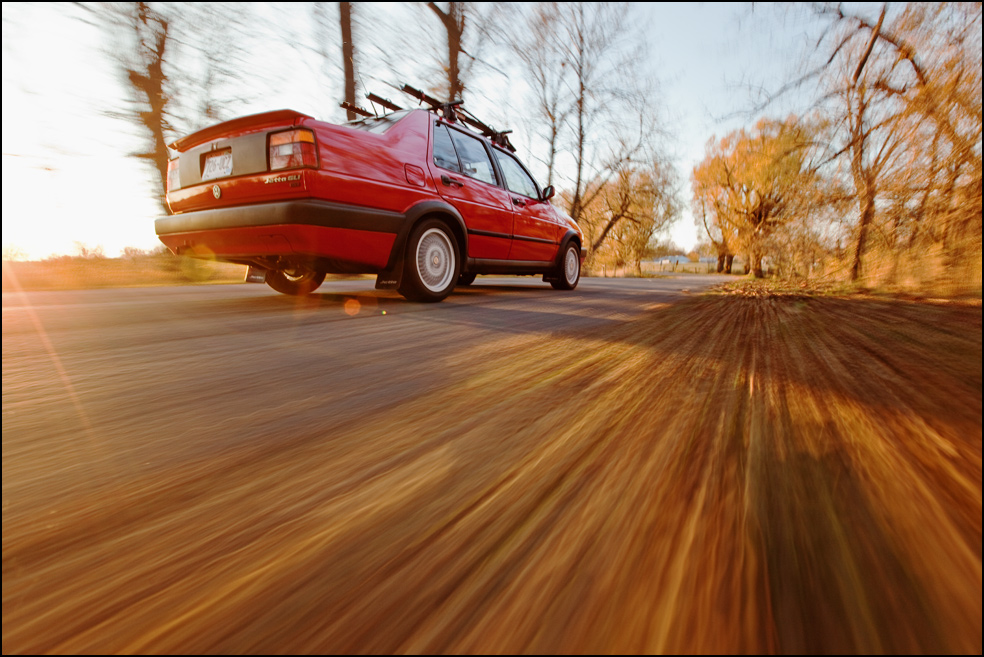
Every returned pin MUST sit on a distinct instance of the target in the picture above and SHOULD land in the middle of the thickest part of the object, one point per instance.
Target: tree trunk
(348, 55)
(580, 109)
(552, 153)
(867, 214)
(455, 87)
(755, 263)
(149, 82)
(454, 23)
(729, 260)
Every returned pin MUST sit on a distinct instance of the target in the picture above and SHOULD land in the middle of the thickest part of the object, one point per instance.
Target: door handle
(518, 201)
(448, 180)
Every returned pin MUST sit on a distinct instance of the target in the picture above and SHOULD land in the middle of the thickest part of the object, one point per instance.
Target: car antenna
(367, 94)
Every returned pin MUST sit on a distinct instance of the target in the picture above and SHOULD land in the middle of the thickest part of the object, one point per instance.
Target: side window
(444, 155)
(517, 180)
(475, 160)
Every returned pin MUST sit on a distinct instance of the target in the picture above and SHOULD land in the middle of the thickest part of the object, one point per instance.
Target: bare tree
(910, 119)
(209, 85)
(872, 145)
(538, 47)
(629, 212)
(611, 127)
(453, 19)
(591, 47)
(167, 99)
(143, 63)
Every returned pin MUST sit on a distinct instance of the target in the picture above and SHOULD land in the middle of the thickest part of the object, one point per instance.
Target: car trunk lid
(253, 122)
(229, 163)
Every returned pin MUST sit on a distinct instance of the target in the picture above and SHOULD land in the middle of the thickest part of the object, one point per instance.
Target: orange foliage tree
(751, 183)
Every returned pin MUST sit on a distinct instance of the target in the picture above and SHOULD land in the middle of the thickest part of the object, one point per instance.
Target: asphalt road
(223, 468)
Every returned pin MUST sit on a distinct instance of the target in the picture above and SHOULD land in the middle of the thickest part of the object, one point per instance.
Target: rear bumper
(306, 213)
(318, 229)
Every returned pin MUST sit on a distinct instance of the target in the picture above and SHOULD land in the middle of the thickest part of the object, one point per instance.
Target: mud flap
(255, 275)
(391, 277)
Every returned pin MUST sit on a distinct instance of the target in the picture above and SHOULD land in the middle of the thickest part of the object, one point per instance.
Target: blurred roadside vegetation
(90, 268)
(878, 182)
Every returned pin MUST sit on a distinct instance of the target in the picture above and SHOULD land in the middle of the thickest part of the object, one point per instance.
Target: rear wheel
(432, 264)
(296, 281)
(570, 268)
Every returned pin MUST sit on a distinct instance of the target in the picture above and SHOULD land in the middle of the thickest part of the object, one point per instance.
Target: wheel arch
(569, 236)
(444, 212)
(558, 277)
(390, 277)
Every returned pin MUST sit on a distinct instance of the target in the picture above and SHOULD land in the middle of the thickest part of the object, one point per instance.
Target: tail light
(293, 149)
(173, 176)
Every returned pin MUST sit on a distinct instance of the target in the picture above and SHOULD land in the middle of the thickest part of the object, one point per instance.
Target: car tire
(466, 279)
(570, 268)
(432, 264)
(299, 281)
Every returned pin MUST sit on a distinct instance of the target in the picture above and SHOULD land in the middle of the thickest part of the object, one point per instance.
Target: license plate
(217, 165)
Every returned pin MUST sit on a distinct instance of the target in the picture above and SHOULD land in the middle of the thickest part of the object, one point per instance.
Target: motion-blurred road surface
(623, 468)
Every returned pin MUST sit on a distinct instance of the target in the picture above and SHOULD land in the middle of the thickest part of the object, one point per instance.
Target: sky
(68, 178)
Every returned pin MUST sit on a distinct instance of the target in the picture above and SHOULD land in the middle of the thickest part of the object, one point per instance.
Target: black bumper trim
(312, 213)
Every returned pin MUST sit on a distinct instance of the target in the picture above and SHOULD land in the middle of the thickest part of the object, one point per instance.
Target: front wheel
(432, 264)
(570, 272)
(296, 281)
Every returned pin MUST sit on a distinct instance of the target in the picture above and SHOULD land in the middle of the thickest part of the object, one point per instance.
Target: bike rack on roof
(451, 111)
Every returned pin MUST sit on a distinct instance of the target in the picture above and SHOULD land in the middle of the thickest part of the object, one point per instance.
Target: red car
(413, 196)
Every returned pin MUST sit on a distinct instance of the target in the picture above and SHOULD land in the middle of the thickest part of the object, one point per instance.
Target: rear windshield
(378, 124)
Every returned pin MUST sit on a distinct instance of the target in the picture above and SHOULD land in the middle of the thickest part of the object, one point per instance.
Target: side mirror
(548, 192)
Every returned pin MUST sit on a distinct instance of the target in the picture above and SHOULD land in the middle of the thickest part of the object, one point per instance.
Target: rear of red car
(288, 194)
(296, 199)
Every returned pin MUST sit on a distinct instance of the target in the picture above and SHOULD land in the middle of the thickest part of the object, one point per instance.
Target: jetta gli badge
(280, 179)
(216, 192)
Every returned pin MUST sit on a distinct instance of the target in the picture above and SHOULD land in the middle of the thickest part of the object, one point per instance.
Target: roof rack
(355, 108)
(451, 111)
(454, 112)
(373, 98)
(385, 102)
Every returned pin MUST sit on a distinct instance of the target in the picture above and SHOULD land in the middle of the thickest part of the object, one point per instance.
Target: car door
(536, 230)
(466, 178)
